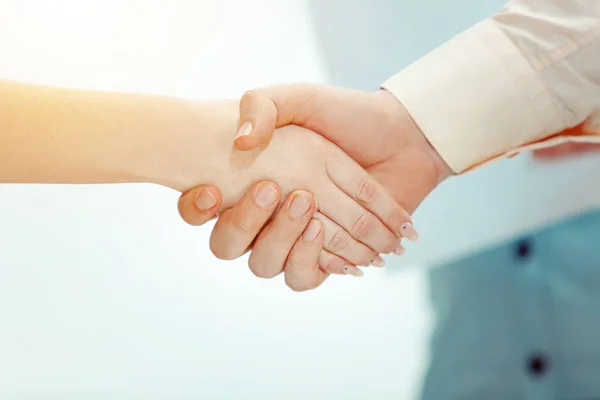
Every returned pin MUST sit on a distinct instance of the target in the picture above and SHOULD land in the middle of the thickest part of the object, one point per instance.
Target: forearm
(50, 135)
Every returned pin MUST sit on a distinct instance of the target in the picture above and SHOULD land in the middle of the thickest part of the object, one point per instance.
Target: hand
(373, 127)
(238, 229)
(305, 160)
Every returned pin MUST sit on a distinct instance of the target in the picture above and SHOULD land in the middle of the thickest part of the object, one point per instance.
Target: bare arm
(52, 135)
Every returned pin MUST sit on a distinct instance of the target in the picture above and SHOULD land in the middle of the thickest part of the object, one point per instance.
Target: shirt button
(538, 365)
(523, 249)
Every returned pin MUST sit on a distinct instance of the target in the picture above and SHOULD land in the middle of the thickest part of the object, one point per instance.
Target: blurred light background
(106, 293)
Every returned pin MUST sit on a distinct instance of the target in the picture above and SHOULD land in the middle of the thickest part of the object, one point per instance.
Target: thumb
(264, 110)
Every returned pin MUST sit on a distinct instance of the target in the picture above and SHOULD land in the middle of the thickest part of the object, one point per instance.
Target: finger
(364, 189)
(258, 119)
(358, 222)
(274, 243)
(302, 271)
(199, 205)
(333, 264)
(238, 226)
(341, 243)
(263, 110)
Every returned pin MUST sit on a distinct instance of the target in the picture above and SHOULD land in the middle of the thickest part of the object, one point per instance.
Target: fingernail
(299, 206)
(266, 196)
(350, 270)
(311, 231)
(245, 130)
(408, 231)
(378, 262)
(205, 200)
(399, 250)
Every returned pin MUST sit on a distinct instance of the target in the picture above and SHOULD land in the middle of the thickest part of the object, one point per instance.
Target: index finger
(357, 183)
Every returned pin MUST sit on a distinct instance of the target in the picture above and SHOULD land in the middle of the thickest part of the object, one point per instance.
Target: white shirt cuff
(476, 98)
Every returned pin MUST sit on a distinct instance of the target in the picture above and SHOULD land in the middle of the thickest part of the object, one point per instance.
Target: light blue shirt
(522, 320)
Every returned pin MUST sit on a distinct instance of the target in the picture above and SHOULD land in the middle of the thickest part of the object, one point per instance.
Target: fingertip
(199, 205)
(245, 143)
(252, 135)
(257, 121)
(301, 205)
(314, 232)
(207, 198)
(266, 195)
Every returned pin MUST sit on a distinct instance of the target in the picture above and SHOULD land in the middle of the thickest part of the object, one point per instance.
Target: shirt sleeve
(514, 82)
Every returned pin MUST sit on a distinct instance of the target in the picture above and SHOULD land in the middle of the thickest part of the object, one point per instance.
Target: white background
(105, 293)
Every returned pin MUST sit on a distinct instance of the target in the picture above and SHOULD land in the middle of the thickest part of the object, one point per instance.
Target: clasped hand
(353, 166)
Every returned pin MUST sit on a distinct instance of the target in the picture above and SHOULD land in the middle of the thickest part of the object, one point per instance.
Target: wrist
(402, 122)
(188, 144)
(442, 169)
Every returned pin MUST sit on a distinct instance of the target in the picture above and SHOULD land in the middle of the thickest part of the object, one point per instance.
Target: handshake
(352, 167)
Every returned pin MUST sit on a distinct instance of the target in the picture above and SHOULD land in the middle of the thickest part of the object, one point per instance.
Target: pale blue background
(105, 293)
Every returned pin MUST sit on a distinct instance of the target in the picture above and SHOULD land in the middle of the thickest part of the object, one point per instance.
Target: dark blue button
(538, 365)
(524, 249)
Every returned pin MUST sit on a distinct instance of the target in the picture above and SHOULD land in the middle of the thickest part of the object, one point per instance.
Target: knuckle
(367, 191)
(230, 236)
(248, 97)
(293, 264)
(362, 227)
(339, 241)
(253, 100)
(240, 225)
